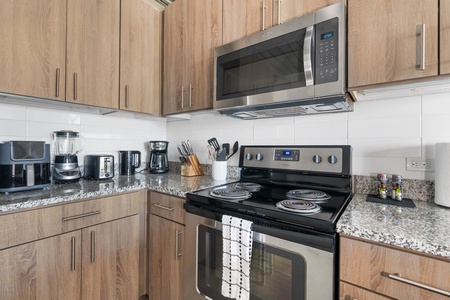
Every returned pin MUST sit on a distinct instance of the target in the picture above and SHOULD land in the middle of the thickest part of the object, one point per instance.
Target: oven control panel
(330, 159)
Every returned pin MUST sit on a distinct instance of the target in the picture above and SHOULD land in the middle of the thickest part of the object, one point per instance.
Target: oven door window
(274, 65)
(275, 273)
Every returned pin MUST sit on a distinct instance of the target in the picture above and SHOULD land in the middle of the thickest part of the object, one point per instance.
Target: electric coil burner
(294, 195)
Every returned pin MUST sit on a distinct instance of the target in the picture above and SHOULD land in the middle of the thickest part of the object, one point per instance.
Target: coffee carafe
(159, 163)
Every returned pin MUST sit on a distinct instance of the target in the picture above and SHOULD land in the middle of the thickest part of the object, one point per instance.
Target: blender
(67, 144)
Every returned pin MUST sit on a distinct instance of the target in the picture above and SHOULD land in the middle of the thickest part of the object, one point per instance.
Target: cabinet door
(242, 18)
(140, 55)
(111, 260)
(32, 54)
(204, 35)
(166, 259)
(286, 10)
(46, 269)
(384, 40)
(174, 69)
(93, 52)
(445, 36)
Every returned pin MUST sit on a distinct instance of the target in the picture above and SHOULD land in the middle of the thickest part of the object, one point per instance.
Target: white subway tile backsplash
(35, 114)
(436, 104)
(13, 112)
(318, 130)
(386, 147)
(389, 108)
(385, 127)
(436, 126)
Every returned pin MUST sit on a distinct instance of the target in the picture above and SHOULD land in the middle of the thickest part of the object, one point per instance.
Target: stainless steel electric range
(294, 195)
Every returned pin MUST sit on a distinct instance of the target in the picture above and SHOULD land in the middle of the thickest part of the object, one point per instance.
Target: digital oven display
(287, 155)
(327, 35)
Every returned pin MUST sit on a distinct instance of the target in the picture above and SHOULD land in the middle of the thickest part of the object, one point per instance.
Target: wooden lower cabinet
(166, 247)
(367, 267)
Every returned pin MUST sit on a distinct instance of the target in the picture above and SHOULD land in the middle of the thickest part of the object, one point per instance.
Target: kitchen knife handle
(58, 78)
(72, 254)
(92, 247)
(422, 52)
(75, 87)
(397, 277)
(177, 244)
(264, 15)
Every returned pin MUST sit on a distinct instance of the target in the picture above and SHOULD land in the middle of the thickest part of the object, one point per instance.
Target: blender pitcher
(67, 144)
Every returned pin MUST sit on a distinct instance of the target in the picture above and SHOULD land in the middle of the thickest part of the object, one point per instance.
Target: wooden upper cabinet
(445, 36)
(32, 54)
(93, 52)
(242, 18)
(140, 57)
(192, 30)
(385, 43)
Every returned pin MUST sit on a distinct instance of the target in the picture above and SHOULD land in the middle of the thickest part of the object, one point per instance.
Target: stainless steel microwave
(295, 68)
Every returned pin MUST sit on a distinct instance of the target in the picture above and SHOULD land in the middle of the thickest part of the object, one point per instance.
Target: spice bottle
(397, 187)
(382, 185)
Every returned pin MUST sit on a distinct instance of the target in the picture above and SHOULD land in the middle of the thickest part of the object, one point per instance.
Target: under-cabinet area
(89, 249)
(370, 270)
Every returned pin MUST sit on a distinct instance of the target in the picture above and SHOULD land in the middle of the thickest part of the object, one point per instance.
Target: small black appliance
(24, 165)
(159, 163)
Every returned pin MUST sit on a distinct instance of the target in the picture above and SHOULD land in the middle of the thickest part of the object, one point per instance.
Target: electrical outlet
(419, 164)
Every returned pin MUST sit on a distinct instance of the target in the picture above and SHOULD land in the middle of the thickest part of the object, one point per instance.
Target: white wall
(103, 134)
(382, 133)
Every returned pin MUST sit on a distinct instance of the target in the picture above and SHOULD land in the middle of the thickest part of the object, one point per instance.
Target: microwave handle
(307, 56)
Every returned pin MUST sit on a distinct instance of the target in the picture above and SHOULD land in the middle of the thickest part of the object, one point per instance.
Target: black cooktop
(262, 204)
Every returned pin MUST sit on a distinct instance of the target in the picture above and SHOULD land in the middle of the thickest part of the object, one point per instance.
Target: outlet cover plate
(420, 164)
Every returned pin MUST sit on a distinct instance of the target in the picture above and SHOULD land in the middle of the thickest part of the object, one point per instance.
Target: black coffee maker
(159, 163)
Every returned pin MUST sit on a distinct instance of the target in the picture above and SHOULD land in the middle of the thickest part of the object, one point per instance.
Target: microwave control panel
(326, 38)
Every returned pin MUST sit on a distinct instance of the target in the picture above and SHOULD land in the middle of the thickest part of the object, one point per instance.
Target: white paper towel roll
(442, 175)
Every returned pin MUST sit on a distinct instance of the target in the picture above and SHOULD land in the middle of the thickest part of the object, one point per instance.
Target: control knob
(259, 156)
(332, 159)
(249, 156)
(317, 159)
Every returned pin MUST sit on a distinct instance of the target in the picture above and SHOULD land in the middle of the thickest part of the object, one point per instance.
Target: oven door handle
(307, 56)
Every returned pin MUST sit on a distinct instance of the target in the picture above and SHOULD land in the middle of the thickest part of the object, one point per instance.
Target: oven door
(280, 268)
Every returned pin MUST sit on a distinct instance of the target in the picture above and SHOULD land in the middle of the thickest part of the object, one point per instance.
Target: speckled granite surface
(169, 183)
(424, 228)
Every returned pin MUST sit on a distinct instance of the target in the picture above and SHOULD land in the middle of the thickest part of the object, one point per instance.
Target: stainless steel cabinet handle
(58, 78)
(163, 207)
(279, 12)
(92, 213)
(182, 97)
(72, 254)
(75, 88)
(264, 15)
(190, 95)
(307, 56)
(421, 51)
(92, 247)
(397, 277)
(127, 91)
(177, 241)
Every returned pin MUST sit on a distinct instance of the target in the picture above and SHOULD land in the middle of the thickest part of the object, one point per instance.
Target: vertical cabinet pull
(264, 15)
(72, 254)
(182, 97)
(75, 86)
(92, 247)
(190, 95)
(422, 45)
(58, 78)
(177, 242)
(279, 12)
(127, 91)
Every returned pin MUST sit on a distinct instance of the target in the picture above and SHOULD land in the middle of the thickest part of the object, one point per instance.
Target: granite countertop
(169, 183)
(424, 228)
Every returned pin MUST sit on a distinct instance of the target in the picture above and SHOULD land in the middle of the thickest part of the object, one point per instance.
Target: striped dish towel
(237, 239)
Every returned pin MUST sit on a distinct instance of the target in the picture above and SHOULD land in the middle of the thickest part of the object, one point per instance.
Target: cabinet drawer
(22, 227)
(166, 206)
(351, 292)
(380, 268)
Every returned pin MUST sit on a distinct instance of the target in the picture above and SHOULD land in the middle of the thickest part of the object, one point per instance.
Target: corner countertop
(424, 228)
(168, 183)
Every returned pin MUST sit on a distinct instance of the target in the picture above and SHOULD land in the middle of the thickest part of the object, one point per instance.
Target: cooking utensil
(213, 142)
(222, 156)
(226, 146)
(211, 152)
(235, 149)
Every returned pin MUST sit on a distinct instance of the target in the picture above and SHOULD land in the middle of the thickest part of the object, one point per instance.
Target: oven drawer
(383, 269)
(168, 207)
